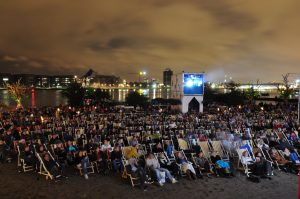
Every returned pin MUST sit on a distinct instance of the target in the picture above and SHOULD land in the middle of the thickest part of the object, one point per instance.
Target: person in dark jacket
(51, 166)
(116, 158)
(3, 151)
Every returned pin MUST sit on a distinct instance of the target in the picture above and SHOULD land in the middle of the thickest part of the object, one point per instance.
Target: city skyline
(243, 40)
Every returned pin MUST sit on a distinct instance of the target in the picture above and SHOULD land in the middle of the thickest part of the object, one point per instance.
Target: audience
(80, 136)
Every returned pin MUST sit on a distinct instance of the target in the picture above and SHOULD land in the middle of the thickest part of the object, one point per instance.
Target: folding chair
(218, 147)
(183, 145)
(180, 165)
(42, 168)
(200, 168)
(244, 166)
(205, 148)
(91, 167)
(129, 140)
(22, 163)
(128, 174)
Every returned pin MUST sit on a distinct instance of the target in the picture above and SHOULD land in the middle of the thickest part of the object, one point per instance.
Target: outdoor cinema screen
(193, 83)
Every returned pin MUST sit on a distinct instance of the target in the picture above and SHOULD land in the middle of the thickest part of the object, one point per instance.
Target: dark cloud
(226, 15)
(22, 64)
(120, 42)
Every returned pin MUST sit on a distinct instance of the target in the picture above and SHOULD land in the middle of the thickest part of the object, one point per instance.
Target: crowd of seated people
(164, 145)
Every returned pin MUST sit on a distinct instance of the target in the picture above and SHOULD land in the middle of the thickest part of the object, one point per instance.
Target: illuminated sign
(193, 83)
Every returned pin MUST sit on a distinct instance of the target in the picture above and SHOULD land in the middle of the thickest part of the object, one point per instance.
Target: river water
(55, 97)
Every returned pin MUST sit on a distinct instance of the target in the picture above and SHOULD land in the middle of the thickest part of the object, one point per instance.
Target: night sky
(248, 40)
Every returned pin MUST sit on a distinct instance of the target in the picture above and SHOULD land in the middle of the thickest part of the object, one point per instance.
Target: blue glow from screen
(193, 84)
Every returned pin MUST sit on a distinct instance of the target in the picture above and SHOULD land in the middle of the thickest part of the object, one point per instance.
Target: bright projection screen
(193, 83)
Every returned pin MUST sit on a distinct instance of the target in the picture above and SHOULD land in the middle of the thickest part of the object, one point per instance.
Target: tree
(75, 94)
(210, 95)
(234, 97)
(17, 91)
(251, 94)
(136, 99)
(286, 91)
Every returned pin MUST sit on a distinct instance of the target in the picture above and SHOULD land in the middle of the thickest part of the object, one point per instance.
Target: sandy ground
(27, 185)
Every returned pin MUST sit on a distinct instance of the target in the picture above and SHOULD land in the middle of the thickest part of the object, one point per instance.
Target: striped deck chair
(218, 147)
(205, 148)
(42, 168)
(128, 174)
(126, 151)
(22, 163)
(244, 166)
(183, 145)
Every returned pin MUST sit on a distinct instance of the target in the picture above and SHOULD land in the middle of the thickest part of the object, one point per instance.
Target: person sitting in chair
(259, 159)
(29, 157)
(84, 163)
(41, 150)
(61, 153)
(221, 167)
(293, 157)
(116, 158)
(101, 162)
(52, 167)
(256, 165)
(167, 164)
(3, 151)
(283, 163)
(186, 166)
(203, 164)
(169, 149)
(154, 166)
(138, 171)
(72, 151)
(106, 147)
(158, 148)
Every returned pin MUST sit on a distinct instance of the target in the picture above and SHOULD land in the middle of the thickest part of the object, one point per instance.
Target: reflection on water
(42, 98)
(55, 97)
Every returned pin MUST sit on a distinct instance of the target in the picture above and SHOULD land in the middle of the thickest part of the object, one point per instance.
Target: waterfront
(49, 97)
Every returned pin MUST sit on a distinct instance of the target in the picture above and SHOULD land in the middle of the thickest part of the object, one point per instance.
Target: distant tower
(167, 77)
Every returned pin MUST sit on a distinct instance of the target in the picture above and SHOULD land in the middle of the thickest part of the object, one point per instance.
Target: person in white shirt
(153, 164)
(246, 159)
(106, 147)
